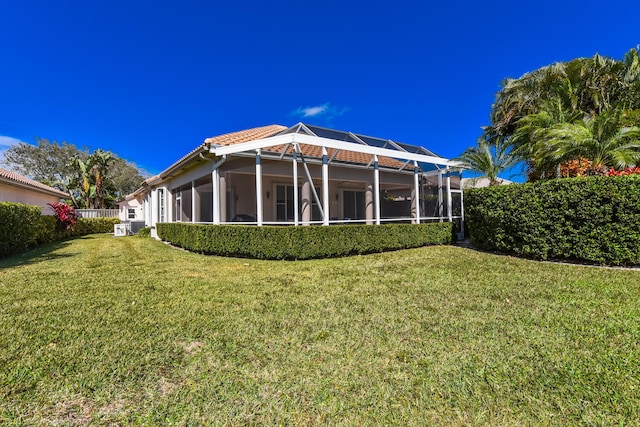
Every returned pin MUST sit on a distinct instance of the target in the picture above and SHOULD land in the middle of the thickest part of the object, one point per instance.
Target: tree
(95, 179)
(535, 114)
(46, 162)
(602, 140)
(489, 158)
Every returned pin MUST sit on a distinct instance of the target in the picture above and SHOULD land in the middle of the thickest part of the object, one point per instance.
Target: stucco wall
(10, 193)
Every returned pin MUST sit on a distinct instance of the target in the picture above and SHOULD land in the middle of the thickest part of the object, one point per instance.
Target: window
(131, 213)
(161, 205)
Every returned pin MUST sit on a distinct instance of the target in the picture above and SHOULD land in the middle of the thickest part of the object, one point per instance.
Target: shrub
(23, 226)
(19, 226)
(94, 225)
(593, 219)
(65, 215)
(302, 242)
(144, 232)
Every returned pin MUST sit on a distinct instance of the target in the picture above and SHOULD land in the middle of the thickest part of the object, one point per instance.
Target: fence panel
(98, 213)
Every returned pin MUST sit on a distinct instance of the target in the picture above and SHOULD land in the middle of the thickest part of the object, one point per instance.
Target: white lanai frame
(295, 140)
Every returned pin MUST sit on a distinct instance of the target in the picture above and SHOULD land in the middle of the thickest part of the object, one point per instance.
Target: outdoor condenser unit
(119, 230)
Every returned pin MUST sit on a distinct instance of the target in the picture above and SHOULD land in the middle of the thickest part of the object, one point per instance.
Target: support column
(369, 201)
(461, 207)
(449, 204)
(154, 207)
(223, 215)
(376, 188)
(295, 188)
(325, 187)
(194, 202)
(416, 192)
(306, 202)
(215, 195)
(440, 200)
(258, 188)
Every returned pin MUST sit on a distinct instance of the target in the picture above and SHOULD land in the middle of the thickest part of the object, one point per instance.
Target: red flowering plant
(624, 172)
(65, 215)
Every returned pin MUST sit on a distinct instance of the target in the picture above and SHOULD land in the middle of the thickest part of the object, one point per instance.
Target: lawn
(120, 331)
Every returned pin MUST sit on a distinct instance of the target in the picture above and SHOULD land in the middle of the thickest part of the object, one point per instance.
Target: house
(20, 189)
(301, 175)
(481, 182)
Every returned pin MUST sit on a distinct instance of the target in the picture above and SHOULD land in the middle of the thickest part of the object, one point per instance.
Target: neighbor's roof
(14, 178)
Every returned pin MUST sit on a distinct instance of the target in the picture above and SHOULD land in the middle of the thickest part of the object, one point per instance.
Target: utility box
(119, 230)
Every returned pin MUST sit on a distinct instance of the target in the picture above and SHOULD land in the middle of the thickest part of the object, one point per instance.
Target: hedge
(592, 219)
(23, 226)
(19, 227)
(269, 242)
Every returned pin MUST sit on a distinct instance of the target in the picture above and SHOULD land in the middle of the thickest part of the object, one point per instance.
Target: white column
(222, 196)
(258, 188)
(215, 195)
(376, 188)
(193, 201)
(440, 201)
(449, 204)
(416, 186)
(295, 188)
(325, 186)
(154, 207)
(461, 207)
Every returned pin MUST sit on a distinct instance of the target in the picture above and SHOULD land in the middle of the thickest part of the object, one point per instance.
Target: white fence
(98, 213)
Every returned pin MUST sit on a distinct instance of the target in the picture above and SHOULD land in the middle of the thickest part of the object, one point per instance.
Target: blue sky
(150, 80)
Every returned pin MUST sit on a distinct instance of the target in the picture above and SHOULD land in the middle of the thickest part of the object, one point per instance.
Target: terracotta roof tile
(16, 177)
(245, 135)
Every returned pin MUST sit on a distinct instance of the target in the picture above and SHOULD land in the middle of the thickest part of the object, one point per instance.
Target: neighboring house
(20, 189)
(299, 176)
(481, 182)
(131, 208)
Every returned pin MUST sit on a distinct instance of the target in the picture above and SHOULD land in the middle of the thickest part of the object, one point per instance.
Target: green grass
(107, 331)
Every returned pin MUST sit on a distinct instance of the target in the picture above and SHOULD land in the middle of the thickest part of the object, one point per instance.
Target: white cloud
(325, 110)
(7, 141)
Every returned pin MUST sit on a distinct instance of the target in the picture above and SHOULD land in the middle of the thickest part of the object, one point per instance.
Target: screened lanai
(305, 175)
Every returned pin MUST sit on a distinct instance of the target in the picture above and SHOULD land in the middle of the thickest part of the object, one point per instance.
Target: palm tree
(487, 158)
(602, 140)
(99, 162)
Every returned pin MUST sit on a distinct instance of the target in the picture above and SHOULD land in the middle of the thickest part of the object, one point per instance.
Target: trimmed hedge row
(302, 242)
(19, 227)
(593, 219)
(23, 226)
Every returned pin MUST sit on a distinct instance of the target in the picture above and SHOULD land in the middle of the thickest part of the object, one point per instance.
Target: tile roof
(11, 176)
(307, 150)
(245, 135)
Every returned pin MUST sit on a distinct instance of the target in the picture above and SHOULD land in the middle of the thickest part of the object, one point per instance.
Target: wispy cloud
(7, 141)
(325, 111)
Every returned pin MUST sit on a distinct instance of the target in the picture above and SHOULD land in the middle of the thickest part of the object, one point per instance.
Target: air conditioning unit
(119, 230)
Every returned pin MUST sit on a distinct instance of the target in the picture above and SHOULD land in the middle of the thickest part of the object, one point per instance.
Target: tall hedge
(19, 225)
(593, 219)
(302, 242)
(23, 226)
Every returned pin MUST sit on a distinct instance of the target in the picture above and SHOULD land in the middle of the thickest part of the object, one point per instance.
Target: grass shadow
(45, 252)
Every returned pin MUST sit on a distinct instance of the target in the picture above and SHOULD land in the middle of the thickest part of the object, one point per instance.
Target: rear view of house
(302, 175)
